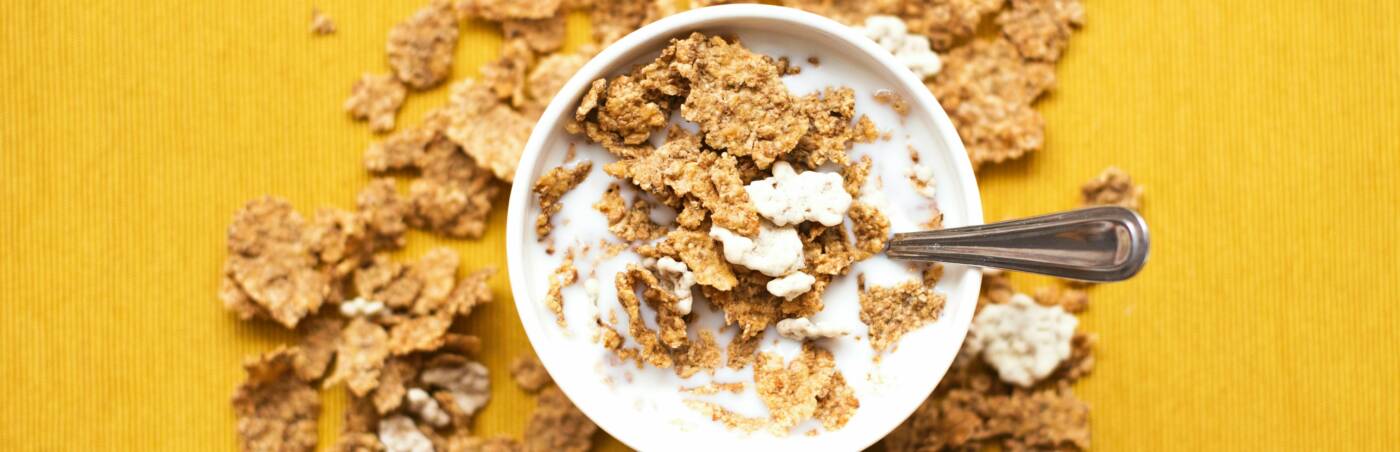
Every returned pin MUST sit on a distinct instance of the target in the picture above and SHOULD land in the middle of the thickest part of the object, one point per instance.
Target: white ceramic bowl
(630, 404)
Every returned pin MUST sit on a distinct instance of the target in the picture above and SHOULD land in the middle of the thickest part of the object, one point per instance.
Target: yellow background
(1267, 133)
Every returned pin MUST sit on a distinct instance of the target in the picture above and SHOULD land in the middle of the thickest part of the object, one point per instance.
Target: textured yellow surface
(1265, 131)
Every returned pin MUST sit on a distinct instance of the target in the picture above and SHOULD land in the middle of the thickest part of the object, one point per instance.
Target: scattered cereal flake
(269, 271)
(775, 252)
(830, 114)
(680, 168)
(738, 100)
(339, 241)
(360, 417)
(491, 132)
(791, 286)
(627, 110)
(890, 312)
(398, 372)
(1113, 187)
(671, 327)
(1040, 29)
(548, 77)
(855, 174)
(453, 197)
(319, 336)
(363, 347)
(911, 50)
(789, 197)
(321, 24)
(996, 287)
(871, 227)
(988, 90)
(715, 387)
(426, 408)
(388, 282)
(529, 373)
(398, 433)
(383, 212)
(803, 329)
(1047, 419)
(437, 270)
(469, 293)
(468, 382)
(947, 22)
(613, 19)
(421, 47)
(741, 351)
(1074, 301)
(628, 223)
(276, 410)
(542, 35)
(503, 10)
(405, 148)
(506, 75)
(376, 98)
(551, 187)
(699, 254)
(1024, 341)
(563, 276)
(557, 425)
(828, 251)
(808, 387)
(893, 100)
(726, 417)
(422, 333)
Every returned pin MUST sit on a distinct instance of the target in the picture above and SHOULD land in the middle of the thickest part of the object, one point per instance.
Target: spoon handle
(1098, 244)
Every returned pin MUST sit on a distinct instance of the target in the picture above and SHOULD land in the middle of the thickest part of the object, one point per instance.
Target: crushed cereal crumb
(1112, 187)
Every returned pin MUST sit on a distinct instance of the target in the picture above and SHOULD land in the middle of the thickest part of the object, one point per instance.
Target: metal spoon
(1099, 244)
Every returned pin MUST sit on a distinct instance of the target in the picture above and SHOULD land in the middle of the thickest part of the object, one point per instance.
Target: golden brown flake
(1074, 301)
(946, 22)
(972, 417)
(628, 110)
(360, 355)
(503, 10)
(470, 292)
(692, 215)
(406, 148)
(541, 35)
(551, 187)
(628, 223)
(890, 312)
(831, 131)
(871, 228)
(729, 419)
(358, 442)
(753, 308)
(529, 373)
(276, 411)
(474, 444)
(383, 212)
(996, 288)
(701, 255)
(680, 168)
(453, 196)
(613, 19)
(424, 333)
(269, 271)
(987, 90)
(827, 250)
(741, 351)
(1113, 187)
(854, 175)
(376, 98)
(339, 241)
(652, 349)
(506, 75)
(398, 372)
(437, 270)
(699, 355)
(563, 276)
(319, 336)
(557, 425)
(321, 24)
(808, 387)
(1040, 29)
(548, 77)
(421, 47)
(491, 132)
(716, 387)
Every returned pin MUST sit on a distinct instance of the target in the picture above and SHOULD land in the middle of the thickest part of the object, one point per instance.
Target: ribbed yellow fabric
(1265, 131)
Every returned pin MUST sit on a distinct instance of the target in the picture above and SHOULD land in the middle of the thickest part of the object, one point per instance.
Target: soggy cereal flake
(454, 195)
(425, 333)
(726, 417)
(855, 174)
(506, 75)
(871, 228)
(613, 19)
(832, 131)
(828, 251)
(383, 212)
(741, 351)
(319, 336)
(276, 410)
(398, 433)
(1113, 187)
(321, 24)
(738, 100)
(529, 373)
(563, 276)
(890, 312)
(808, 387)
(700, 254)
(269, 271)
(363, 347)
(503, 10)
(987, 90)
(715, 387)
(695, 356)
(775, 252)
(628, 223)
(557, 425)
(421, 47)
(1040, 29)
(491, 132)
(551, 187)
(376, 98)
(468, 382)
(541, 35)
(671, 328)
(677, 279)
(398, 372)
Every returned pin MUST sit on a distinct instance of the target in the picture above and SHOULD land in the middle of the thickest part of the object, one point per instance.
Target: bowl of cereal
(697, 226)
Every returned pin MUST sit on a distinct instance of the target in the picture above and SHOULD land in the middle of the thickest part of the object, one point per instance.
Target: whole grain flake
(420, 48)
(891, 312)
(276, 410)
(376, 98)
(552, 186)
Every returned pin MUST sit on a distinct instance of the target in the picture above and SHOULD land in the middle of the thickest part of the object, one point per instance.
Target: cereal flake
(376, 98)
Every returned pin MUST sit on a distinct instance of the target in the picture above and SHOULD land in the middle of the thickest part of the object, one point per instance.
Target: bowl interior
(643, 407)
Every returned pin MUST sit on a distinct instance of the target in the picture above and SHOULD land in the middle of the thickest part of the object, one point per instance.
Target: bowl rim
(610, 58)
